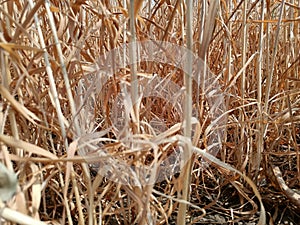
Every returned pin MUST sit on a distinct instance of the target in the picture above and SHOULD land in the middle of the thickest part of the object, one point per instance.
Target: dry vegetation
(59, 130)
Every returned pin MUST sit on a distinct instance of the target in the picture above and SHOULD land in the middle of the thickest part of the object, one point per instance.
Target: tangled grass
(64, 124)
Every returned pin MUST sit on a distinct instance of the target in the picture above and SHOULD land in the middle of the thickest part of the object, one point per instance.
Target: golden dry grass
(50, 108)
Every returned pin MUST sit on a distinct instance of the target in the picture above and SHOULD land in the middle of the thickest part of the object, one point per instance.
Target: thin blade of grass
(31, 148)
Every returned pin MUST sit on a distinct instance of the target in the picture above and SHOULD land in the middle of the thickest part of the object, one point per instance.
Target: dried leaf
(17, 106)
(26, 146)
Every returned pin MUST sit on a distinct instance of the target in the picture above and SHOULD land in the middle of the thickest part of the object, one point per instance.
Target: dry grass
(59, 124)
